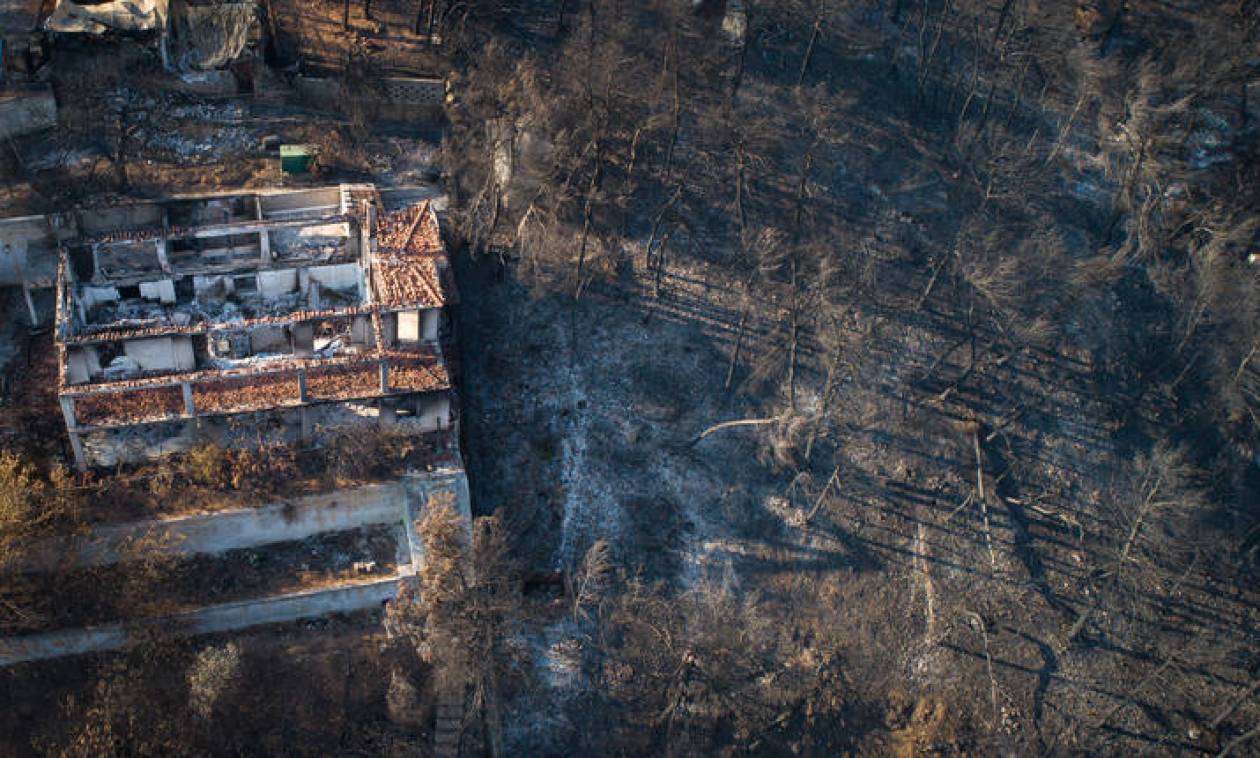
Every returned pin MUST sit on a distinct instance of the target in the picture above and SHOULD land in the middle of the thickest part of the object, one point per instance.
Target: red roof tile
(409, 259)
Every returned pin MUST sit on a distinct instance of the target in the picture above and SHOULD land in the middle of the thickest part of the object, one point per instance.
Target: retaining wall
(397, 502)
(403, 500)
(209, 620)
(218, 532)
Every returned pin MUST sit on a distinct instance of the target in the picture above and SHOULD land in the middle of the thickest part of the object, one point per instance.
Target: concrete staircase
(450, 721)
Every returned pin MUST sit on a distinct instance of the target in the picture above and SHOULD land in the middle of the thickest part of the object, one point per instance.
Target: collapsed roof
(206, 37)
(112, 15)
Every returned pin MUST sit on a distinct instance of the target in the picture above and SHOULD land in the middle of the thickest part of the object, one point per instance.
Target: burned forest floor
(956, 616)
(851, 378)
(873, 397)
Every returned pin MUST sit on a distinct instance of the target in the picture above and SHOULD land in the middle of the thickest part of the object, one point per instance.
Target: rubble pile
(254, 392)
(410, 282)
(357, 381)
(129, 407)
(408, 261)
(416, 374)
(413, 230)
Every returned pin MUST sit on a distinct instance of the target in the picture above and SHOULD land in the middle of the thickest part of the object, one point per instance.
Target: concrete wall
(389, 328)
(92, 296)
(213, 533)
(136, 216)
(403, 500)
(143, 443)
(431, 319)
(344, 598)
(339, 277)
(421, 325)
(28, 249)
(208, 283)
(162, 290)
(405, 99)
(15, 239)
(409, 326)
(269, 339)
(323, 93)
(305, 203)
(420, 489)
(27, 110)
(84, 363)
(278, 282)
(13, 261)
(185, 358)
(397, 99)
(162, 353)
(361, 331)
(435, 412)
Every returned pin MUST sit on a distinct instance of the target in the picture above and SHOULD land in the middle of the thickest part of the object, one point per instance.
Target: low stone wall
(397, 99)
(389, 99)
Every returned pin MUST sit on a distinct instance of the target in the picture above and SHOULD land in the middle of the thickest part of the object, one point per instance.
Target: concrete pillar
(384, 377)
(189, 409)
(388, 414)
(72, 429)
(307, 425)
(264, 244)
(30, 303)
(302, 385)
(163, 261)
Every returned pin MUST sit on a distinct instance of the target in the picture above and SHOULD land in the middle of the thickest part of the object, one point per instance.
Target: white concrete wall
(182, 348)
(214, 533)
(431, 318)
(314, 202)
(409, 326)
(317, 232)
(162, 290)
(273, 284)
(361, 331)
(161, 353)
(85, 363)
(343, 598)
(435, 412)
(207, 283)
(339, 277)
(92, 296)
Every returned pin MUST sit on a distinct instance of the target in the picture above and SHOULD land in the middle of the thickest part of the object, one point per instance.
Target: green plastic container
(296, 159)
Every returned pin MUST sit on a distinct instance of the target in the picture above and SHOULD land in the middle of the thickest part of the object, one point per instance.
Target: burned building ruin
(296, 311)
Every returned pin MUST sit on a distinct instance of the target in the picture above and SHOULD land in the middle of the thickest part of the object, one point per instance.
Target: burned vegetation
(952, 310)
(833, 376)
